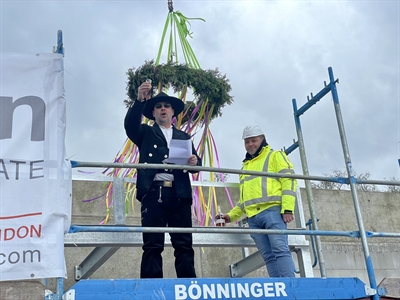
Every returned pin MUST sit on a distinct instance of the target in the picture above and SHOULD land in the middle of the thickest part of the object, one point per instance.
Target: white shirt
(167, 133)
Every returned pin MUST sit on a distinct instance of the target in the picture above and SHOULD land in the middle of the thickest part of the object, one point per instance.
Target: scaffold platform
(221, 288)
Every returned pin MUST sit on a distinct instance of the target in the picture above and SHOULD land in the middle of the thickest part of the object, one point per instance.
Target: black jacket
(153, 149)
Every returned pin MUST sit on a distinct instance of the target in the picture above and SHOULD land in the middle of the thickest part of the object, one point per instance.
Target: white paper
(179, 152)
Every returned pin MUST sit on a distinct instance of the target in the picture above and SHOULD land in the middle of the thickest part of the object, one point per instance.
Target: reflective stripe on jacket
(258, 193)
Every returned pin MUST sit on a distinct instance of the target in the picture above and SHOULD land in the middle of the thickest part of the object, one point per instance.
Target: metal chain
(170, 7)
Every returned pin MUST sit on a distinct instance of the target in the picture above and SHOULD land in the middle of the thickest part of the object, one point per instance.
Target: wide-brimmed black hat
(176, 103)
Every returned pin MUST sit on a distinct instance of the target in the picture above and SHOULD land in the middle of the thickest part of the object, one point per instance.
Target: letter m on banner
(35, 177)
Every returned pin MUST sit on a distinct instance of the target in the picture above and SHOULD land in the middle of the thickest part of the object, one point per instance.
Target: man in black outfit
(165, 195)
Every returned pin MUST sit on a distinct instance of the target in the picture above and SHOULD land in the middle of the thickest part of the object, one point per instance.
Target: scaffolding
(108, 239)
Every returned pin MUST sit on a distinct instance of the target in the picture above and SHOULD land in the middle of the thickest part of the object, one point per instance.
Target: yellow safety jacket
(258, 193)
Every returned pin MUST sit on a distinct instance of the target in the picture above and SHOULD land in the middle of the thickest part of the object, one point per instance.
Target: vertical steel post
(60, 45)
(60, 281)
(60, 287)
(310, 197)
(352, 183)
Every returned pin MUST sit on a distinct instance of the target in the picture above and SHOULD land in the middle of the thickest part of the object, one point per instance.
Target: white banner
(35, 177)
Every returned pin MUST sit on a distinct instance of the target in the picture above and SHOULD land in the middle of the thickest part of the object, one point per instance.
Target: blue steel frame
(331, 87)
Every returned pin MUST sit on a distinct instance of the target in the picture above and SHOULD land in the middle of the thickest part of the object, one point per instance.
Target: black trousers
(161, 212)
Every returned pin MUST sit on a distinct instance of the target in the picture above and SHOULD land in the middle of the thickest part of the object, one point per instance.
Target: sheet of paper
(179, 152)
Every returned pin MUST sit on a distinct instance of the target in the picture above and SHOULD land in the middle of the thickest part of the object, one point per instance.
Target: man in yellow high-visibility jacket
(268, 202)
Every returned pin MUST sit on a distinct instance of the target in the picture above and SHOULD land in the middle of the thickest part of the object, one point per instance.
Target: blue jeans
(273, 248)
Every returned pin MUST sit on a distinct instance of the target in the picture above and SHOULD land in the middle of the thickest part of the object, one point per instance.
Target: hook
(170, 7)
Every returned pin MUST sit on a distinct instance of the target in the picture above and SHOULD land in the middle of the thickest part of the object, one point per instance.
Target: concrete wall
(343, 256)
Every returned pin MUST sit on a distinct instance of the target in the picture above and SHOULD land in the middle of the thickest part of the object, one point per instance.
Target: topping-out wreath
(207, 85)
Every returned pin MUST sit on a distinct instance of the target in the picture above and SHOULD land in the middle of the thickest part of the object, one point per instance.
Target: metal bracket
(369, 291)
(69, 295)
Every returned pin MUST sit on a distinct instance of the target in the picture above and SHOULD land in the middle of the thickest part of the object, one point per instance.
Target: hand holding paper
(179, 152)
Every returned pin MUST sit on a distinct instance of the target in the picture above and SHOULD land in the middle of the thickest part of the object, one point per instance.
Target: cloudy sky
(271, 51)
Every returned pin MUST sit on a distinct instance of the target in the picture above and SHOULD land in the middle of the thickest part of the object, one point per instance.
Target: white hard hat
(251, 131)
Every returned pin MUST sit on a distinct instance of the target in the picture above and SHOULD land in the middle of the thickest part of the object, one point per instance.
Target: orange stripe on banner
(21, 216)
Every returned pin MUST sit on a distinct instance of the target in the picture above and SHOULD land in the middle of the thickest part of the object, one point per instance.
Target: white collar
(165, 128)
